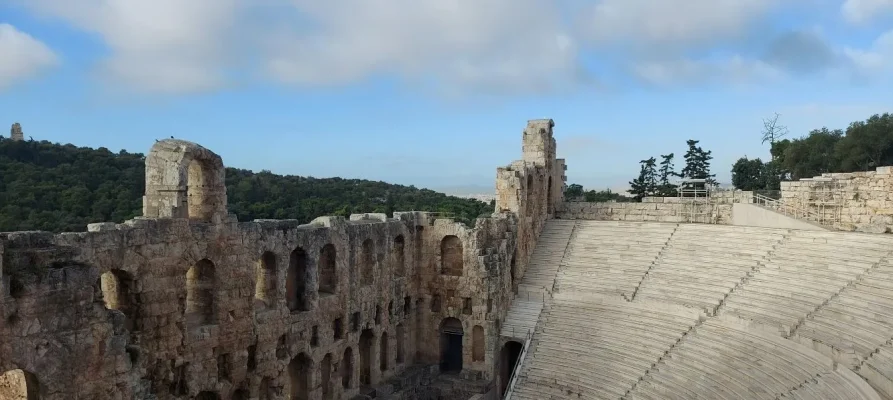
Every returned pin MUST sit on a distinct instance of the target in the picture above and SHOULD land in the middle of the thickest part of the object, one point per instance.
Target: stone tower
(16, 132)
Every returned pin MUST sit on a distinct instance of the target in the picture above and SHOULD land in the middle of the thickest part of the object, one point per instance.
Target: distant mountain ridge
(61, 188)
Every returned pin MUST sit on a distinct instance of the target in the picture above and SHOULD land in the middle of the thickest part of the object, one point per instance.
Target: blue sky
(436, 93)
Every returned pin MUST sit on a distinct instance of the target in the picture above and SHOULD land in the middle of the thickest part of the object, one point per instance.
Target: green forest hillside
(62, 188)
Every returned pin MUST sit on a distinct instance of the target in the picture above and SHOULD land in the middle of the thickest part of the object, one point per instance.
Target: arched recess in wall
(265, 282)
(296, 281)
(383, 352)
(478, 343)
(367, 262)
(18, 384)
(451, 256)
(200, 283)
(451, 334)
(529, 192)
(118, 294)
(347, 368)
(366, 340)
(206, 395)
(549, 196)
(300, 370)
(401, 340)
(513, 268)
(325, 373)
(328, 278)
(398, 256)
(508, 359)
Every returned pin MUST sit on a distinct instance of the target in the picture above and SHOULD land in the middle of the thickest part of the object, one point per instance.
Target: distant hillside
(62, 188)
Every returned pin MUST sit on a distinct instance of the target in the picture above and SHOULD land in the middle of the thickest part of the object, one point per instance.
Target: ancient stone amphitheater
(726, 297)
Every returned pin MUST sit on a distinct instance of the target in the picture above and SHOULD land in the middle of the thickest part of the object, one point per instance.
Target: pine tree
(697, 164)
(646, 183)
(667, 170)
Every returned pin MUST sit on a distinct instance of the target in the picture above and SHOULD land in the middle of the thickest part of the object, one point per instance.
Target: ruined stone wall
(716, 210)
(856, 201)
(186, 302)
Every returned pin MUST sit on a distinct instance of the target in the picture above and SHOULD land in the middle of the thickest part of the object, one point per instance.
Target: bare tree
(772, 131)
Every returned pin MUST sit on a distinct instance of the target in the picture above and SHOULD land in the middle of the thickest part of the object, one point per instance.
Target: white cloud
(862, 11)
(166, 46)
(23, 57)
(734, 70)
(499, 44)
(876, 61)
(657, 24)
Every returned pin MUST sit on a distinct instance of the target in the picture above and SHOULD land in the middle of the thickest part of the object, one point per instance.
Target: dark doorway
(366, 340)
(508, 358)
(451, 345)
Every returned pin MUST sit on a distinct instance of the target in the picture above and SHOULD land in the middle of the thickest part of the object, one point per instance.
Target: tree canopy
(62, 188)
(863, 146)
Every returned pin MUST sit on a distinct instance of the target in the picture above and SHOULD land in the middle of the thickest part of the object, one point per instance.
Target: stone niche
(187, 303)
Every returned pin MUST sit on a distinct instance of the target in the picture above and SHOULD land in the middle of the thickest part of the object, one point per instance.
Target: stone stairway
(536, 285)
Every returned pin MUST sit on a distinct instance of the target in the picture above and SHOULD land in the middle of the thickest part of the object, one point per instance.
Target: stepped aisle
(537, 282)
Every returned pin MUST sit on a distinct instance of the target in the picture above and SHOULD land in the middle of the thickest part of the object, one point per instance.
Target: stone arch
(451, 256)
(265, 283)
(207, 395)
(296, 281)
(478, 343)
(398, 256)
(549, 196)
(508, 359)
(118, 294)
(328, 274)
(325, 373)
(401, 339)
(200, 286)
(184, 180)
(366, 339)
(451, 333)
(300, 370)
(347, 368)
(383, 352)
(19, 384)
(367, 262)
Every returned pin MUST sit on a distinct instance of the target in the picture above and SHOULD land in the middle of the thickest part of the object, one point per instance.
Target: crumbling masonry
(186, 302)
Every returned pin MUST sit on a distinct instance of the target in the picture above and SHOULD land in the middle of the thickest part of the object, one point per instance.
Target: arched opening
(18, 385)
(325, 373)
(451, 256)
(328, 278)
(200, 293)
(296, 281)
(398, 256)
(549, 196)
(117, 293)
(200, 180)
(367, 262)
(300, 370)
(347, 368)
(366, 339)
(383, 352)
(451, 333)
(265, 284)
(400, 341)
(478, 343)
(206, 395)
(529, 192)
(508, 359)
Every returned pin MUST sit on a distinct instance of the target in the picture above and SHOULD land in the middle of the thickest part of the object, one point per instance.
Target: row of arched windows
(201, 279)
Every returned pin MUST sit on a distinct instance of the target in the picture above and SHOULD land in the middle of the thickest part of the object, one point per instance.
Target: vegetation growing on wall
(53, 187)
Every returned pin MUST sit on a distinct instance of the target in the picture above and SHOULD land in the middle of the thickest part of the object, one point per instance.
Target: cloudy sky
(436, 93)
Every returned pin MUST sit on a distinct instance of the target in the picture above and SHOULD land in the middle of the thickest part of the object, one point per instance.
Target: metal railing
(517, 370)
(780, 206)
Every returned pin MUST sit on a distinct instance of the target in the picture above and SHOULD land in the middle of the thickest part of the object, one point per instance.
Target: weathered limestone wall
(718, 210)
(186, 302)
(856, 201)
